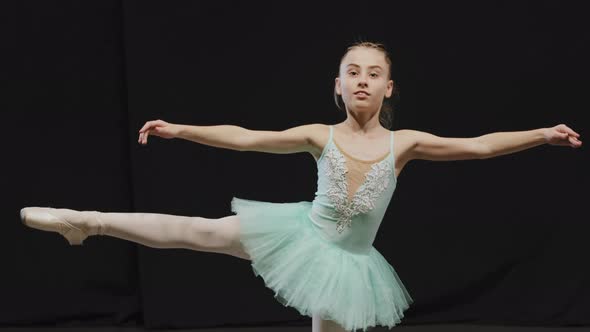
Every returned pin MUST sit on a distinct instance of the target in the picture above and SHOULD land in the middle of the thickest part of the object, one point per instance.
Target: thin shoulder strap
(392, 155)
(331, 134)
(391, 143)
(391, 147)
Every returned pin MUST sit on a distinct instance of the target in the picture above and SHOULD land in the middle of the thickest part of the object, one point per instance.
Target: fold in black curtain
(499, 241)
(67, 132)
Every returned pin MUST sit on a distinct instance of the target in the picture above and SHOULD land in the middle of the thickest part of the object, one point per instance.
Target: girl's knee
(228, 228)
(217, 235)
(229, 231)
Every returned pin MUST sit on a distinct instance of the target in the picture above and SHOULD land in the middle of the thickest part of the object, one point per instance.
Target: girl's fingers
(565, 129)
(575, 142)
(144, 132)
(145, 126)
(571, 131)
(573, 139)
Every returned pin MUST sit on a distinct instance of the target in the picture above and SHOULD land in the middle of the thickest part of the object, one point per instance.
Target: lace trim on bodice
(375, 182)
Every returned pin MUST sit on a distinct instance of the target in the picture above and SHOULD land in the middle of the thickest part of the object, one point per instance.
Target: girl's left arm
(500, 143)
(423, 145)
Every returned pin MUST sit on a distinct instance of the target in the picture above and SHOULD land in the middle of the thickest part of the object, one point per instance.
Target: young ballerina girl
(316, 256)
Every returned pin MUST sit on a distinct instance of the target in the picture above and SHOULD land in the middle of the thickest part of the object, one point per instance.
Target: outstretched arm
(292, 140)
(222, 136)
(431, 147)
(501, 143)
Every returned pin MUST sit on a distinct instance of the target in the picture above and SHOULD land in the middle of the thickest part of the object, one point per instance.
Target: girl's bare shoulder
(319, 135)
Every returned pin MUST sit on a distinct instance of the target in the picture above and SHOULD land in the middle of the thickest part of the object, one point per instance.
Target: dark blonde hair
(386, 111)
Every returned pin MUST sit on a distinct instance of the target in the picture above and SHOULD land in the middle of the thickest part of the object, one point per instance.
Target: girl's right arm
(220, 136)
(292, 140)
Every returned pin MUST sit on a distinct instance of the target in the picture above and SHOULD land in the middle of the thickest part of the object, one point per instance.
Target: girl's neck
(362, 125)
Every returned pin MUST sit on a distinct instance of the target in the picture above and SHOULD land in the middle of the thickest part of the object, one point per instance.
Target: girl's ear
(337, 86)
(390, 87)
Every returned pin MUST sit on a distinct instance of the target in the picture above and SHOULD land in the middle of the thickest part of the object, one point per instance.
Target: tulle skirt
(313, 275)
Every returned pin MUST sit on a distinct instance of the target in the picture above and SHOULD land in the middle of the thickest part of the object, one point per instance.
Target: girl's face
(364, 69)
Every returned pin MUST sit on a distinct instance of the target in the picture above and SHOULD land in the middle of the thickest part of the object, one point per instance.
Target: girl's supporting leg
(323, 325)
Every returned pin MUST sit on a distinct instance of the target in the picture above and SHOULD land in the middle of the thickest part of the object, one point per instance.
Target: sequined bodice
(346, 216)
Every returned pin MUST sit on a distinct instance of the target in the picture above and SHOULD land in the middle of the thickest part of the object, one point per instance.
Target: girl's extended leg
(154, 230)
(158, 230)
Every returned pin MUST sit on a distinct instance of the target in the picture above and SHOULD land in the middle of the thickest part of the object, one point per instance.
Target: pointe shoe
(48, 219)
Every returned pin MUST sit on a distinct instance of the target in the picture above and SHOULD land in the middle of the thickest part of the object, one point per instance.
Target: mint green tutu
(315, 276)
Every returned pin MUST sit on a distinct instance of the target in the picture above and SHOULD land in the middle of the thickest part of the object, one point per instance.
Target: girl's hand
(158, 128)
(562, 135)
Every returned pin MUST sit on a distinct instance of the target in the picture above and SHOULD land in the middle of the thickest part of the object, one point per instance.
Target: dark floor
(425, 328)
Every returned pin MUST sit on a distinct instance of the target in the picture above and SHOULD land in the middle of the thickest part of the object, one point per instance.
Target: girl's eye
(354, 72)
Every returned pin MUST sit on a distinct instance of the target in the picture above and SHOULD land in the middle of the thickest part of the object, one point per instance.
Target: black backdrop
(501, 241)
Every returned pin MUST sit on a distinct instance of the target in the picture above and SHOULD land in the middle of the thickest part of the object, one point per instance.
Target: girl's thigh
(229, 228)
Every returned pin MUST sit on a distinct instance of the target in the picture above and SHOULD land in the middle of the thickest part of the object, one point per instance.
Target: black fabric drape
(499, 240)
